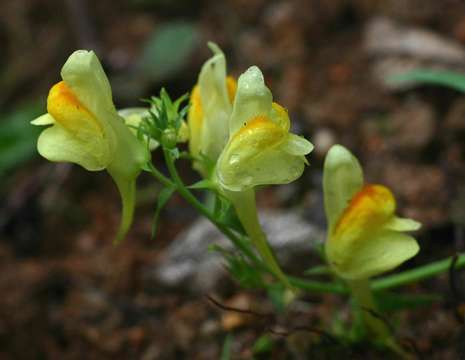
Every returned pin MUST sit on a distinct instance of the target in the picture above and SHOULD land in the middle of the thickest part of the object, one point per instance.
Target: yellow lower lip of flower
(370, 208)
(69, 112)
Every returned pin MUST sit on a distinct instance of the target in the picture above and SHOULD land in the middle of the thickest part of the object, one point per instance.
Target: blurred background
(67, 293)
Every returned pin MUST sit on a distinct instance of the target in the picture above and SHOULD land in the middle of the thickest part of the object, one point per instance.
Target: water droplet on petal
(234, 159)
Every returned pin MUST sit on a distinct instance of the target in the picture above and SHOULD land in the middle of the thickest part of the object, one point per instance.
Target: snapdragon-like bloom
(85, 128)
(260, 149)
(365, 237)
(210, 108)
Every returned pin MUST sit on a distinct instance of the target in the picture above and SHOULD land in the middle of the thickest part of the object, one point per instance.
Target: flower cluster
(238, 139)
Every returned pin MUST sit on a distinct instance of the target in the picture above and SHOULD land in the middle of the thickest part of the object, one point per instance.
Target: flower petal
(382, 252)
(216, 105)
(297, 145)
(360, 244)
(280, 116)
(253, 99)
(210, 108)
(369, 209)
(57, 144)
(195, 121)
(402, 224)
(256, 155)
(45, 119)
(84, 75)
(71, 114)
(342, 178)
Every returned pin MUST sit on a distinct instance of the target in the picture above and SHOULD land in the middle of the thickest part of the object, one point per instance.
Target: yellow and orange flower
(365, 237)
(210, 108)
(260, 149)
(86, 129)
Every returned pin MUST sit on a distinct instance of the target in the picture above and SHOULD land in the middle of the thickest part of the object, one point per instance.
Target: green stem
(367, 311)
(381, 284)
(317, 286)
(363, 296)
(416, 274)
(246, 209)
(127, 190)
(159, 176)
(192, 200)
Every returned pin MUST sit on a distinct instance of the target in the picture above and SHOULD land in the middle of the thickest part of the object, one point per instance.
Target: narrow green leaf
(18, 138)
(389, 301)
(204, 184)
(244, 273)
(264, 344)
(226, 352)
(449, 79)
(228, 217)
(276, 293)
(163, 197)
(318, 270)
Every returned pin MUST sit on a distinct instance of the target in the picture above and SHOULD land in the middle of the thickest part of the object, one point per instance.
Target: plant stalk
(246, 209)
(365, 302)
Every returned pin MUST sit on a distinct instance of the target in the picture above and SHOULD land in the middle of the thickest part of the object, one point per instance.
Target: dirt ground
(67, 293)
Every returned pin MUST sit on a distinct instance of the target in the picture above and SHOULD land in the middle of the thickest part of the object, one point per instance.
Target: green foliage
(243, 272)
(389, 301)
(434, 77)
(264, 344)
(277, 293)
(165, 123)
(18, 137)
(318, 270)
(226, 352)
(225, 213)
(168, 49)
(163, 198)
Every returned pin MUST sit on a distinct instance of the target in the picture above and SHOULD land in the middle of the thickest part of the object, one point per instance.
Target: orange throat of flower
(69, 112)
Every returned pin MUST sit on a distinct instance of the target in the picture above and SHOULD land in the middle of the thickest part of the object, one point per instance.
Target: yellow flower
(365, 237)
(260, 149)
(210, 108)
(86, 129)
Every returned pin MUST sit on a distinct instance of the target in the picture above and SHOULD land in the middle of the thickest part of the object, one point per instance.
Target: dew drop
(234, 159)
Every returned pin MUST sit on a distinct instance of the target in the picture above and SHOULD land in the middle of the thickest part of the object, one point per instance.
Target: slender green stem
(159, 176)
(191, 199)
(246, 209)
(367, 311)
(318, 286)
(416, 274)
(127, 190)
(380, 284)
(366, 306)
